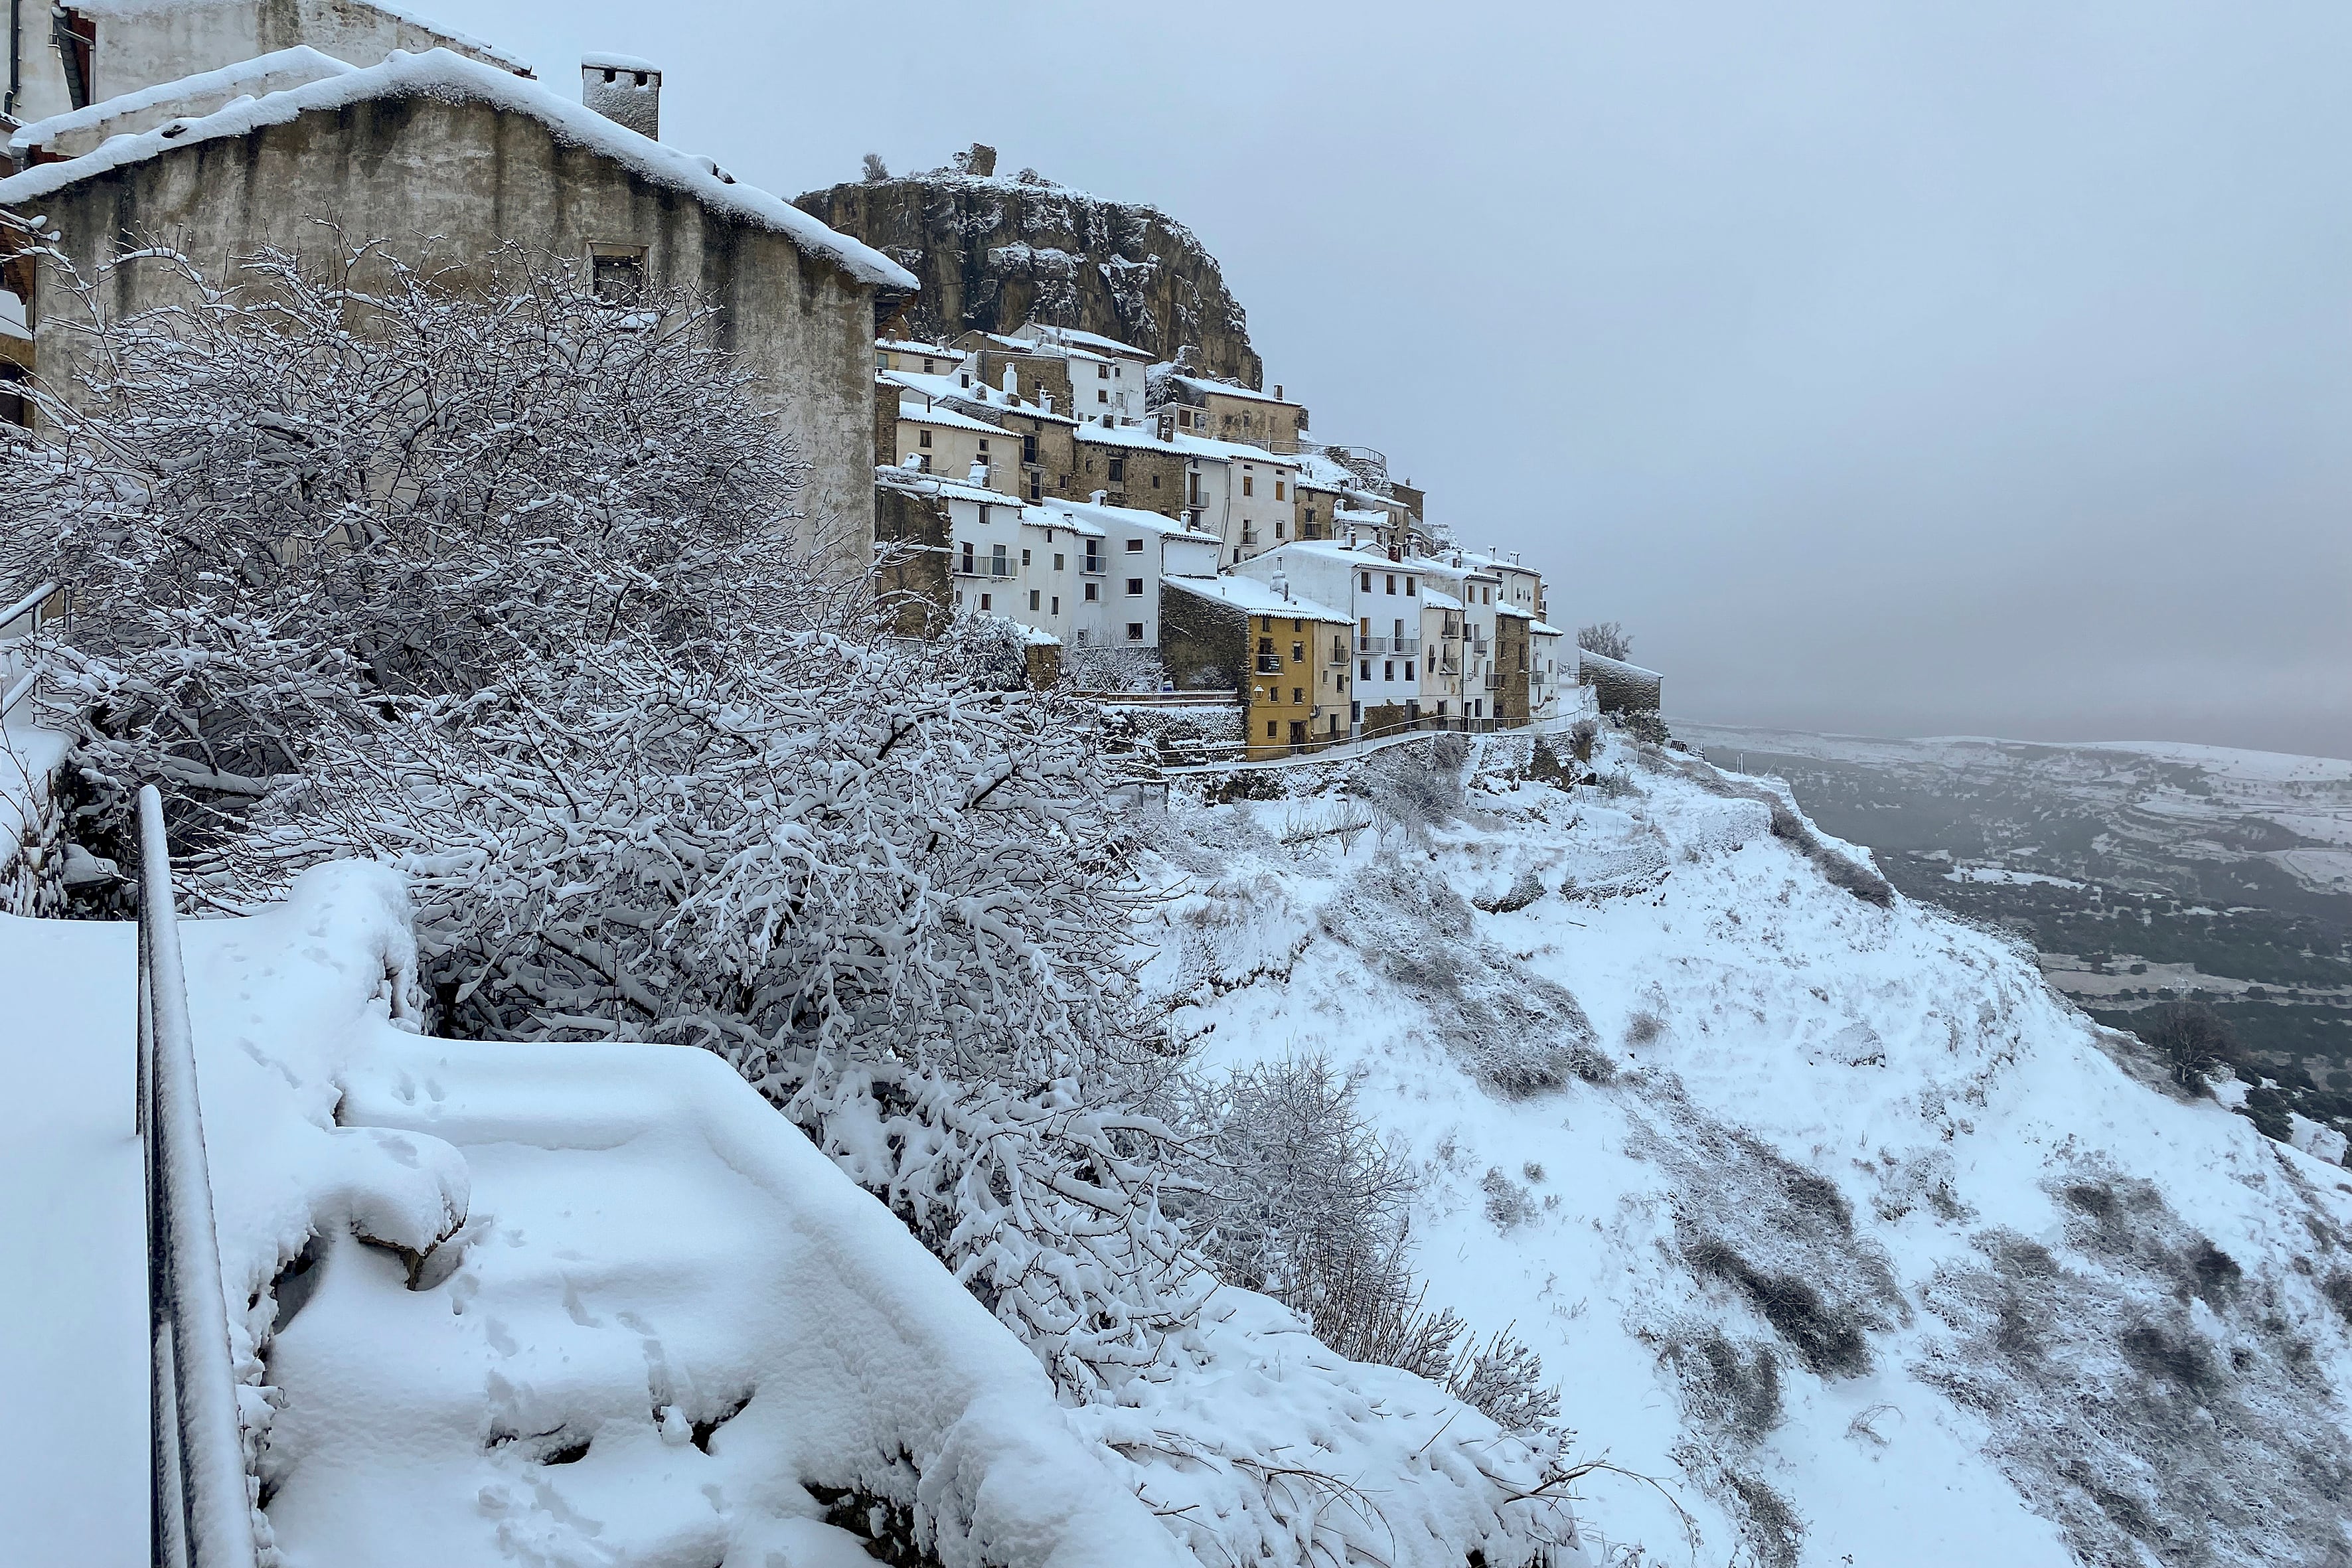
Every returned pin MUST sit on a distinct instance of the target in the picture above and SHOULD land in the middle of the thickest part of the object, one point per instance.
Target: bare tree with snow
(1607, 638)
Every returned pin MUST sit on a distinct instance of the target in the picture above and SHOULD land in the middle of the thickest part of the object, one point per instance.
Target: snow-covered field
(1843, 1228)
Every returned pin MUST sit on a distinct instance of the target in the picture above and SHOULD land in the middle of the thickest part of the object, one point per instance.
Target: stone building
(437, 144)
(1506, 680)
(1224, 412)
(64, 58)
(1286, 658)
(1619, 688)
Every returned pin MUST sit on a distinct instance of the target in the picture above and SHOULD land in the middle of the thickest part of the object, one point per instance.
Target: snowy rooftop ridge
(448, 75)
(261, 67)
(1256, 598)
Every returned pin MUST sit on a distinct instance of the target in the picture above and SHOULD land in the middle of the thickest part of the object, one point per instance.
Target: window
(984, 443)
(1297, 694)
(1278, 490)
(967, 558)
(1441, 707)
(983, 601)
(1118, 471)
(1135, 587)
(881, 360)
(1411, 584)
(1368, 581)
(928, 367)
(1388, 669)
(1249, 485)
(1057, 603)
(922, 437)
(1102, 395)
(1334, 725)
(1408, 663)
(1024, 558)
(1060, 562)
(1298, 653)
(1155, 482)
(1102, 373)
(1135, 547)
(616, 273)
(1135, 631)
(1093, 592)
(1033, 598)
(1364, 669)
(1029, 448)
(1269, 729)
(1392, 577)
(1281, 528)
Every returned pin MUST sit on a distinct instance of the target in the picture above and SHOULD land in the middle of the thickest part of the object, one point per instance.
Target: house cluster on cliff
(1158, 533)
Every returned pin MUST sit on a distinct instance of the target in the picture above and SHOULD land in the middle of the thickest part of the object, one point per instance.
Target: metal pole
(207, 1439)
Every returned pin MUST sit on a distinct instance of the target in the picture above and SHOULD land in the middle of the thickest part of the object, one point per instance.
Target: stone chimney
(623, 89)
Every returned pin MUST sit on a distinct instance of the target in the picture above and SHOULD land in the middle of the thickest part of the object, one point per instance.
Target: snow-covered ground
(1833, 1219)
(494, 1303)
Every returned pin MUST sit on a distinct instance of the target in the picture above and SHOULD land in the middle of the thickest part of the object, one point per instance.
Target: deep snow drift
(1828, 1216)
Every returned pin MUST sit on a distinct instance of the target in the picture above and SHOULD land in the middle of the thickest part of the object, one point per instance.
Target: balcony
(1339, 656)
(994, 571)
(1407, 648)
(1269, 664)
(1092, 566)
(1373, 646)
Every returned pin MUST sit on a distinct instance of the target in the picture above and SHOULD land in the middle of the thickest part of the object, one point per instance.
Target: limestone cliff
(993, 253)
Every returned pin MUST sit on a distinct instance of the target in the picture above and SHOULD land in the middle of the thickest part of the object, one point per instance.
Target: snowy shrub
(1524, 891)
(1508, 1203)
(2189, 1038)
(875, 170)
(1521, 1033)
(1582, 736)
(1643, 1027)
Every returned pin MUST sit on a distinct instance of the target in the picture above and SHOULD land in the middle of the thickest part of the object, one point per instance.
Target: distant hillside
(993, 253)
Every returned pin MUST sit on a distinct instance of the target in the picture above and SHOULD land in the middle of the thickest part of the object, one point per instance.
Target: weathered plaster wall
(410, 169)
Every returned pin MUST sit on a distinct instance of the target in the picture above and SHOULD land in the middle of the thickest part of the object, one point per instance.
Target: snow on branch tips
(484, 576)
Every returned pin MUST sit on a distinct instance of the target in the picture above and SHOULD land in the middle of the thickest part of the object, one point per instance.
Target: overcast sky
(1910, 368)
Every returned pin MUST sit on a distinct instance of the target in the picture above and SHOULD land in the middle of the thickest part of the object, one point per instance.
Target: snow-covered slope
(1832, 1219)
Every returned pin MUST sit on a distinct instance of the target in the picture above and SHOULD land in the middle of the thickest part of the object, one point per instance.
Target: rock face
(993, 253)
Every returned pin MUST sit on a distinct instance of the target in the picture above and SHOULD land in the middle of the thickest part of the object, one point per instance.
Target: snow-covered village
(706, 879)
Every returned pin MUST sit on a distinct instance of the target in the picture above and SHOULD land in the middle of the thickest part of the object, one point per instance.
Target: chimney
(623, 89)
(1100, 497)
(1046, 402)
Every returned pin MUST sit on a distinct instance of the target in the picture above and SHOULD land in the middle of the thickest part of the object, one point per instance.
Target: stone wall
(994, 253)
(1203, 644)
(1139, 467)
(403, 168)
(911, 534)
(1508, 701)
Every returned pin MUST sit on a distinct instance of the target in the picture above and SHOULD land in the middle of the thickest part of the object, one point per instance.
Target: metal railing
(1407, 648)
(202, 1518)
(1269, 664)
(990, 569)
(1371, 645)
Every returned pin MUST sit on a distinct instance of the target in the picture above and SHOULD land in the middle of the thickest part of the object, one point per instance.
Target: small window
(1033, 598)
(928, 367)
(1368, 581)
(984, 443)
(1102, 395)
(1410, 583)
(1298, 653)
(1388, 669)
(1155, 482)
(881, 360)
(1135, 587)
(1249, 485)
(1102, 373)
(922, 437)
(1365, 673)
(1093, 592)
(1392, 577)
(1298, 694)
(1135, 631)
(616, 273)
(1269, 729)
(1060, 562)
(1057, 603)
(1408, 663)
(1024, 558)
(984, 601)
(1118, 471)
(1135, 547)
(1278, 490)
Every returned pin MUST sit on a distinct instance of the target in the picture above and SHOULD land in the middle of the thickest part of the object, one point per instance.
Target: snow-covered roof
(1537, 628)
(1129, 517)
(399, 13)
(923, 481)
(907, 346)
(444, 75)
(1225, 389)
(1513, 611)
(1253, 597)
(299, 60)
(1183, 443)
(944, 387)
(949, 418)
(1073, 338)
(1064, 515)
(1438, 598)
(610, 62)
(1586, 656)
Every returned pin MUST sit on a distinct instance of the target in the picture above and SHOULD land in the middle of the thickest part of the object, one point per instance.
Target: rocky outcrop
(993, 253)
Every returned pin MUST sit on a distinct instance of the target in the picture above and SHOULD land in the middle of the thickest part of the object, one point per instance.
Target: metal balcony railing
(201, 1516)
(1269, 664)
(1365, 645)
(1407, 648)
(1341, 654)
(994, 571)
(1092, 566)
